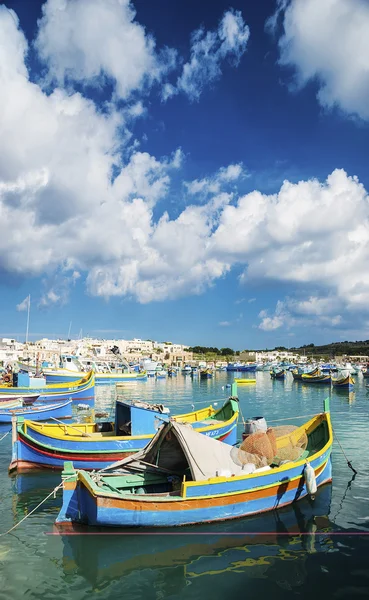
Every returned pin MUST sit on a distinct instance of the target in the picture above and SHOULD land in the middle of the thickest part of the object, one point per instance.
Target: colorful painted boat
(182, 478)
(97, 445)
(206, 374)
(15, 403)
(66, 376)
(298, 373)
(38, 413)
(244, 381)
(27, 398)
(277, 373)
(85, 386)
(344, 383)
(319, 379)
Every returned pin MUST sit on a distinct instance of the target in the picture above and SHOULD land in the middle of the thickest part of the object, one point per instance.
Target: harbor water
(313, 549)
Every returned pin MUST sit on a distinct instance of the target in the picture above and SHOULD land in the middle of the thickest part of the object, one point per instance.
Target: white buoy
(310, 480)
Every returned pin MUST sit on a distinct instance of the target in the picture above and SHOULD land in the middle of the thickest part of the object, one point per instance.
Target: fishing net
(265, 448)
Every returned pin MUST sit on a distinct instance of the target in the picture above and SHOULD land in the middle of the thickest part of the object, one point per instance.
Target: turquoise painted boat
(27, 385)
(277, 373)
(38, 413)
(183, 478)
(318, 378)
(65, 376)
(344, 383)
(98, 445)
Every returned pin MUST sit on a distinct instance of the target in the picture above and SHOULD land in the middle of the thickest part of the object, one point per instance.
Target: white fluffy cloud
(77, 197)
(328, 41)
(313, 312)
(215, 183)
(209, 49)
(94, 40)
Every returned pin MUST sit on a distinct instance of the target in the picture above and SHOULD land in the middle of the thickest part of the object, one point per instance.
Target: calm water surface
(326, 553)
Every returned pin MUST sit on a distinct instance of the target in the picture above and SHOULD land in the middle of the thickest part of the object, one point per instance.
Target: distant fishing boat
(277, 373)
(320, 378)
(97, 445)
(28, 385)
(206, 373)
(344, 383)
(38, 413)
(298, 373)
(72, 368)
(182, 478)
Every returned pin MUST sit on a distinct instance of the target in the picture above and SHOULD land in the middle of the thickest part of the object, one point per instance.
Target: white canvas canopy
(176, 446)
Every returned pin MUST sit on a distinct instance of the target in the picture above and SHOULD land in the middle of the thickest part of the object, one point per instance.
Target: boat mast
(28, 309)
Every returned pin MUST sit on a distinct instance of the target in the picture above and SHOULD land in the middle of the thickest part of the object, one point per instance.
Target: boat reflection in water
(266, 546)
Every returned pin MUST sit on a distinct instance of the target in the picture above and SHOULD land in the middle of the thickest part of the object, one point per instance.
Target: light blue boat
(38, 413)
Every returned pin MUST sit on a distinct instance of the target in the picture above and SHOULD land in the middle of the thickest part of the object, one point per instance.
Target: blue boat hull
(38, 413)
(37, 450)
(100, 378)
(87, 395)
(215, 502)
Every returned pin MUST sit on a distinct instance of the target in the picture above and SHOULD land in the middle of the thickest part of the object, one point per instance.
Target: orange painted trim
(194, 503)
(70, 485)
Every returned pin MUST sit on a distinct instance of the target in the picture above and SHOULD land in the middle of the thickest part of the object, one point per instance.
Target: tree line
(213, 350)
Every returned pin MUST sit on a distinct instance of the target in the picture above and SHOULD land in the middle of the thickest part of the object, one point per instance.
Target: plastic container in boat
(254, 425)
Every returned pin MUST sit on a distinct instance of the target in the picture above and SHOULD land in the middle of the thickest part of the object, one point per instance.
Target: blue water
(310, 550)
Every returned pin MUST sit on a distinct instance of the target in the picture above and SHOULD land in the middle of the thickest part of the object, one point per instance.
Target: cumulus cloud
(327, 42)
(217, 181)
(78, 199)
(269, 323)
(313, 311)
(91, 41)
(209, 49)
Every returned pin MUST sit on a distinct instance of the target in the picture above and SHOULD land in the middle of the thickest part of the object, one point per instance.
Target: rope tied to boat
(5, 434)
(343, 452)
(52, 493)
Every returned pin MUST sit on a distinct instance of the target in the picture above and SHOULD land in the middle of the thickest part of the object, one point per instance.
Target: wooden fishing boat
(15, 403)
(27, 398)
(97, 445)
(298, 373)
(64, 375)
(183, 478)
(344, 383)
(83, 388)
(206, 374)
(244, 381)
(38, 413)
(320, 378)
(277, 373)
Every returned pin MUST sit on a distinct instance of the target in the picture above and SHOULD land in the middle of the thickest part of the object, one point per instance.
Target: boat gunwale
(99, 437)
(85, 477)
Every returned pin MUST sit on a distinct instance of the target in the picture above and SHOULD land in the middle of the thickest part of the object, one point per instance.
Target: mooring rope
(52, 493)
(5, 434)
(343, 452)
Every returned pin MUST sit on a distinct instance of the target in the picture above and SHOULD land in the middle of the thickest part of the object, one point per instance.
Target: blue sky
(186, 171)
